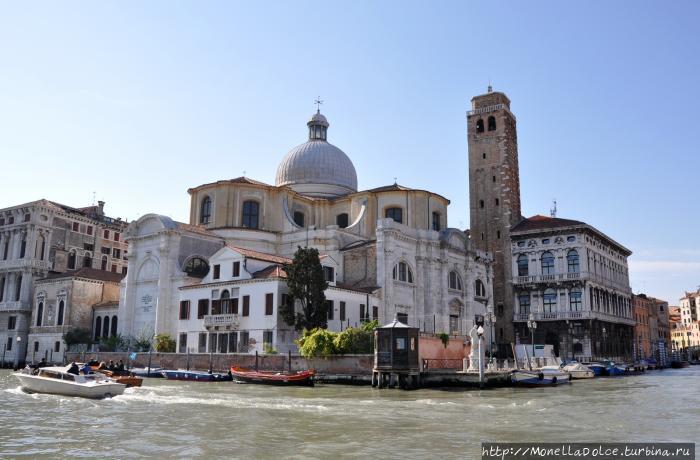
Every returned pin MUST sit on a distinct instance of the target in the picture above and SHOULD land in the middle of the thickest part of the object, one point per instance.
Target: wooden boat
(195, 376)
(301, 378)
(676, 364)
(123, 377)
(58, 381)
(155, 372)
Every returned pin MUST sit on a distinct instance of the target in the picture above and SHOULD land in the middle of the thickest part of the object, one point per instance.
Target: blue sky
(137, 101)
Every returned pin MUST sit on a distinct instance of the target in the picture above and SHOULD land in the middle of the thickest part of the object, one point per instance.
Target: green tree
(164, 344)
(112, 343)
(317, 342)
(306, 283)
(77, 336)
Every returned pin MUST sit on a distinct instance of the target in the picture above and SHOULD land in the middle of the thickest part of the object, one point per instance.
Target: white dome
(317, 168)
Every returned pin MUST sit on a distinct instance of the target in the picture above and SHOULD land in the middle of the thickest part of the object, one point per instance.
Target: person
(120, 365)
(111, 365)
(93, 362)
(74, 369)
(86, 369)
(43, 362)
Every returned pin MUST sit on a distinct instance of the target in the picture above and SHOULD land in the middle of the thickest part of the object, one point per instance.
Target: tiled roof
(237, 180)
(251, 254)
(540, 222)
(273, 271)
(348, 287)
(194, 229)
(89, 273)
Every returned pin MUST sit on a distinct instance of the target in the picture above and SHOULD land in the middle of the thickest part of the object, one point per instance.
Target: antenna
(553, 209)
(490, 89)
(93, 198)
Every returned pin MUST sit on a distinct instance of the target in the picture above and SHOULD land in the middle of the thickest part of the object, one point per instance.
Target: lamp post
(480, 334)
(19, 347)
(605, 334)
(532, 325)
(490, 319)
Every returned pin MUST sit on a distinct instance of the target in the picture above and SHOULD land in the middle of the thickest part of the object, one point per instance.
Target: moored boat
(677, 364)
(597, 368)
(195, 376)
(556, 372)
(533, 378)
(154, 372)
(579, 371)
(58, 381)
(614, 370)
(300, 378)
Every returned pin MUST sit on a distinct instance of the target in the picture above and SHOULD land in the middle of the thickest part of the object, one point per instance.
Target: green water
(181, 419)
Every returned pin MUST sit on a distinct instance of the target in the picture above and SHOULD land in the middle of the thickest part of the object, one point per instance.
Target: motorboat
(300, 378)
(195, 376)
(614, 370)
(579, 371)
(678, 364)
(534, 378)
(599, 369)
(58, 381)
(153, 372)
(557, 373)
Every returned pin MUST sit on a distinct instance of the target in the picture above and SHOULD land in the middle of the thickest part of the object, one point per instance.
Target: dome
(317, 168)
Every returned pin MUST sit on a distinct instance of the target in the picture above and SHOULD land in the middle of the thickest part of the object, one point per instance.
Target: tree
(112, 343)
(306, 283)
(164, 344)
(77, 336)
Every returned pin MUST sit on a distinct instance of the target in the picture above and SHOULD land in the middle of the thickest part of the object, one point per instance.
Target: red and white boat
(301, 378)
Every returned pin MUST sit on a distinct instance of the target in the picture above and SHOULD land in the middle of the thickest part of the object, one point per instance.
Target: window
(455, 282)
(105, 234)
(481, 204)
(114, 326)
(479, 125)
(225, 303)
(196, 267)
(498, 202)
(550, 301)
(89, 229)
(523, 265)
(217, 272)
(36, 347)
(88, 246)
(572, 261)
(184, 309)
(330, 308)
(342, 310)
(105, 326)
(402, 317)
(11, 323)
(479, 289)
(233, 342)
(116, 236)
(9, 344)
(103, 263)
(202, 345)
(329, 274)
(251, 212)
(483, 155)
(436, 221)
(524, 304)
(61, 311)
(116, 253)
(2, 288)
(545, 241)
(76, 226)
(183, 343)
(18, 288)
(57, 347)
(299, 218)
(492, 123)
(267, 338)
(205, 211)
(245, 341)
(114, 268)
(223, 343)
(98, 327)
(202, 308)
(493, 178)
(364, 314)
(575, 299)
(269, 299)
(87, 260)
(341, 220)
(498, 234)
(236, 269)
(394, 213)
(39, 313)
(106, 250)
(375, 312)
(402, 272)
(23, 248)
(212, 343)
(246, 305)
(547, 261)
(570, 239)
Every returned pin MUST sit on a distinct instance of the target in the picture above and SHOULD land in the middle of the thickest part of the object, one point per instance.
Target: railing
(221, 320)
(25, 263)
(15, 306)
(564, 315)
(490, 108)
(566, 276)
(443, 363)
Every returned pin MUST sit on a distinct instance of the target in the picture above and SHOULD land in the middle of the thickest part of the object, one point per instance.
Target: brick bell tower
(494, 198)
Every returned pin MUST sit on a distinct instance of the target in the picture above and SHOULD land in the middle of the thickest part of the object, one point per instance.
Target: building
(688, 329)
(41, 237)
(572, 281)
(390, 243)
(494, 197)
(67, 301)
(642, 308)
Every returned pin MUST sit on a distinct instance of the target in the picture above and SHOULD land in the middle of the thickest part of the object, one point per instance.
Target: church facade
(389, 247)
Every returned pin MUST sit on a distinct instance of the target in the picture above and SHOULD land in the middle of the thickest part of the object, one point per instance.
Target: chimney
(100, 208)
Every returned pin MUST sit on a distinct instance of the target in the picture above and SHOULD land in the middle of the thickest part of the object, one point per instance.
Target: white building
(389, 242)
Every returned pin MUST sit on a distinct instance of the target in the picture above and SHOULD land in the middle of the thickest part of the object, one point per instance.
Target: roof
(107, 303)
(273, 271)
(257, 255)
(396, 324)
(194, 229)
(364, 290)
(237, 180)
(88, 273)
(400, 188)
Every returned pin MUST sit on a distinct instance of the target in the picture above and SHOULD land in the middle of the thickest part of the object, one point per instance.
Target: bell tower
(494, 198)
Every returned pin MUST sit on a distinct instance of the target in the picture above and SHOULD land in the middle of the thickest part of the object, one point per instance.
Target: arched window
(479, 125)
(103, 265)
(225, 301)
(114, 325)
(481, 204)
(454, 281)
(572, 261)
(523, 265)
(105, 327)
(436, 221)
(341, 220)
(196, 267)
(71, 260)
(299, 218)
(550, 301)
(251, 212)
(87, 260)
(547, 263)
(492, 123)
(575, 299)
(402, 272)
(39, 313)
(205, 211)
(479, 289)
(394, 213)
(98, 327)
(524, 303)
(59, 317)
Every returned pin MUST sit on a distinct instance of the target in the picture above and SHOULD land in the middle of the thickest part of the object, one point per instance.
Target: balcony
(563, 277)
(573, 315)
(18, 306)
(228, 321)
(18, 264)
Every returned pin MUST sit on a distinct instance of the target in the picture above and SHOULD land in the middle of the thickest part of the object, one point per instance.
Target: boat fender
(540, 376)
(554, 380)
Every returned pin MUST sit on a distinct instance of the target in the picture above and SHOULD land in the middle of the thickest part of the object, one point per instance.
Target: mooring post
(256, 360)
(289, 360)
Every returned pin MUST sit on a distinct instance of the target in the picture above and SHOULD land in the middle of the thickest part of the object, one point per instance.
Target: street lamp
(480, 334)
(19, 346)
(532, 325)
(490, 319)
(605, 335)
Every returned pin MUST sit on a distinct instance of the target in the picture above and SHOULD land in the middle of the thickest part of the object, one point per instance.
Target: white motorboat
(556, 373)
(579, 371)
(58, 381)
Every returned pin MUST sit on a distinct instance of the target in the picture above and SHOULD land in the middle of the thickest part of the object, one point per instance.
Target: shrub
(269, 349)
(354, 340)
(444, 337)
(164, 343)
(317, 342)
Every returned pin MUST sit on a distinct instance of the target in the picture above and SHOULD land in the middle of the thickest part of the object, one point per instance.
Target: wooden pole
(256, 360)
(289, 360)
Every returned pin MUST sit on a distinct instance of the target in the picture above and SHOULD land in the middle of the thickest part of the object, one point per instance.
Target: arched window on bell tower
(479, 125)
(492, 123)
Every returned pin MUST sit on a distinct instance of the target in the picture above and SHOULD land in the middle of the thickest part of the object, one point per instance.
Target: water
(180, 419)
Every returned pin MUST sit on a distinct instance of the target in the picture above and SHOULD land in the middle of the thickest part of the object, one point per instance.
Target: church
(215, 284)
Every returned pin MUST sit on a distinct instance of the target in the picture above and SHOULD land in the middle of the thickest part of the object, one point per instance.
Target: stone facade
(688, 328)
(41, 237)
(494, 196)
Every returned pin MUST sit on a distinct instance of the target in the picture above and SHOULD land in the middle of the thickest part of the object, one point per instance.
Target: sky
(133, 103)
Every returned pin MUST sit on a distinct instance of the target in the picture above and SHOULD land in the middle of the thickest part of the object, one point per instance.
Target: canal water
(180, 419)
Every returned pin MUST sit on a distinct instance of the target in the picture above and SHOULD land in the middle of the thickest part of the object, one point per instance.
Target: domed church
(387, 253)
